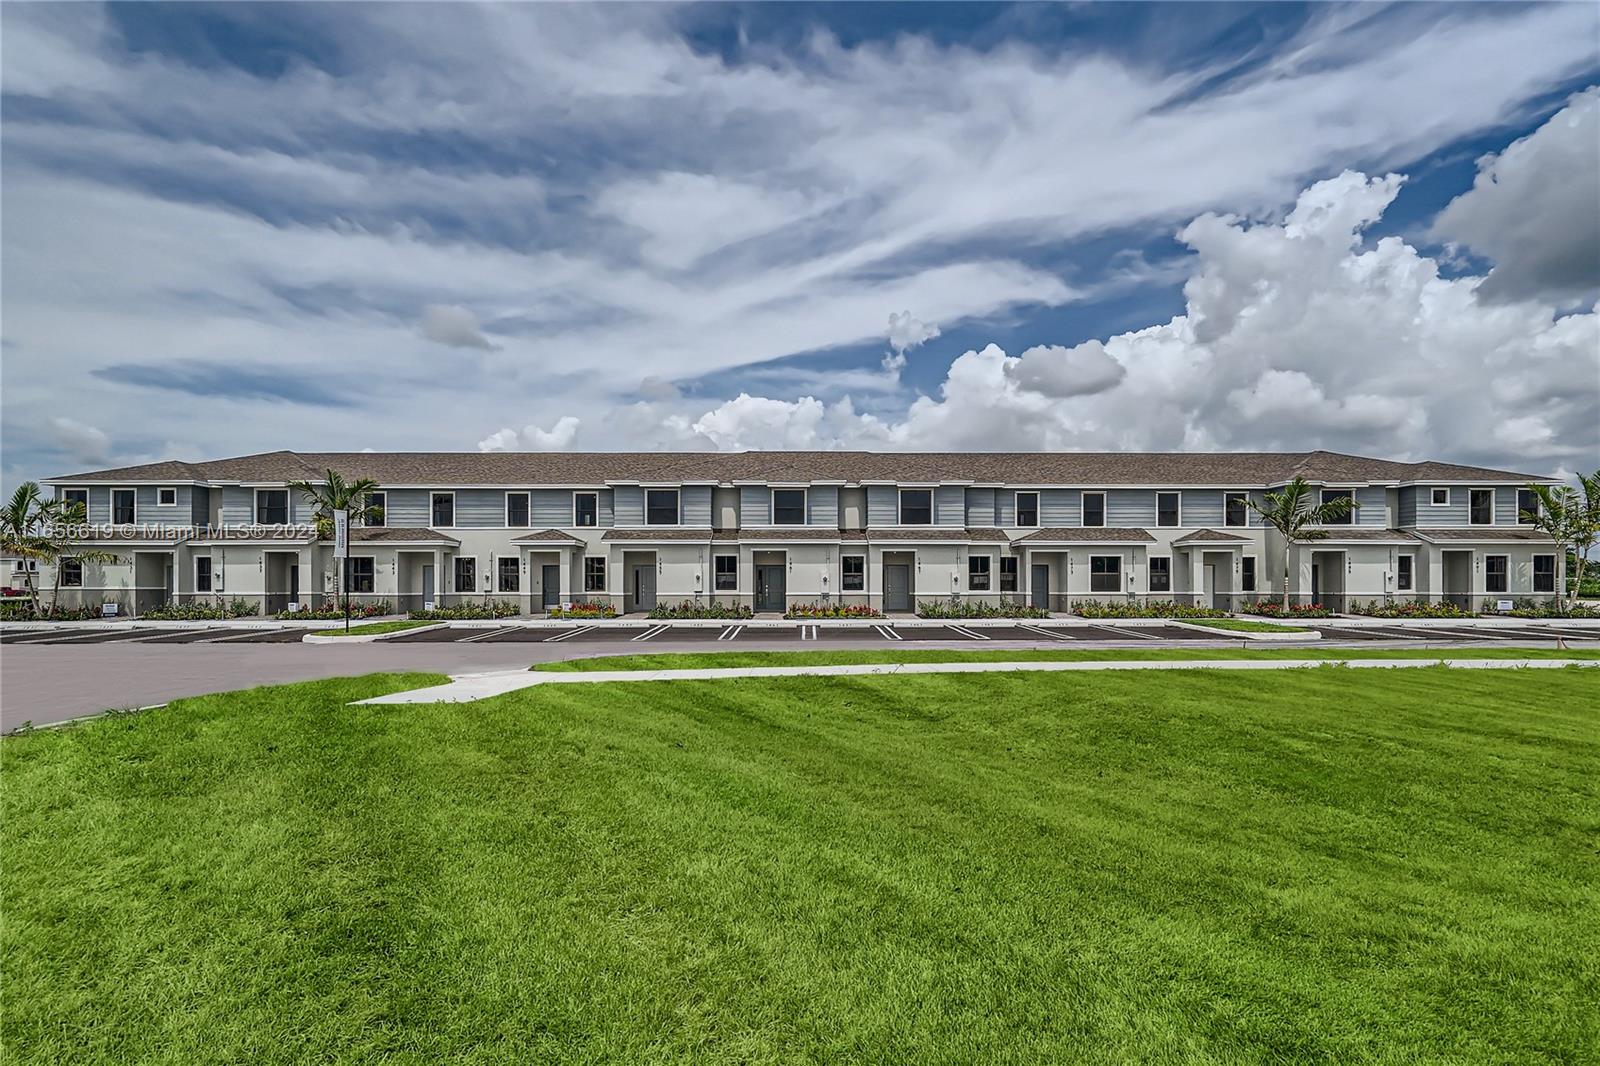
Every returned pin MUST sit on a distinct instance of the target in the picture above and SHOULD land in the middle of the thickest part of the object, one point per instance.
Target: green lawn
(1327, 865)
(696, 660)
(1243, 625)
(368, 629)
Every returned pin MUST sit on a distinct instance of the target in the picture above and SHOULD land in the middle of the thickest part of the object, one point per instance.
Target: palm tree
(334, 493)
(23, 522)
(1571, 519)
(1291, 513)
(62, 515)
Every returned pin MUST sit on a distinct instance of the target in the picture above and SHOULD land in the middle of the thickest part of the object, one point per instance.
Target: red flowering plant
(832, 610)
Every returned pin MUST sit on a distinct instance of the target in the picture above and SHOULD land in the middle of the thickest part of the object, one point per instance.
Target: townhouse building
(771, 529)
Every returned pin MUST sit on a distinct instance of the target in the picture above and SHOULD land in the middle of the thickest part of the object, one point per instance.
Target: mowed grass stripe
(1208, 866)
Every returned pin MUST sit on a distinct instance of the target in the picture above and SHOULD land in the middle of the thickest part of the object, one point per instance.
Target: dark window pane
(1482, 501)
(1527, 506)
(1402, 579)
(588, 509)
(1247, 574)
(510, 571)
(1008, 573)
(1348, 517)
(1161, 575)
(1166, 508)
(466, 575)
(71, 573)
(361, 574)
(855, 572)
(789, 507)
(1105, 573)
(516, 509)
(444, 509)
(272, 507)
(661, 507)
(122, 506)
(594, 574)
(202, 573)
(727, 576)
(1027, 508)
(1494, 573)
(916, 507)
(978, 573)
(1234, 511)
(1544, 573)
(377, 509)
(1094, 509)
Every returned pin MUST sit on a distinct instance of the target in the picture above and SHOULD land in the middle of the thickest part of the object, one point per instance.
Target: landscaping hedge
(1408, 609)
(977, 609)
(238, 607)
(461, 612)
(584, 610)
(24, 612)
(1274, 609)
(692, 609)
(807, 611)
(335, 610)
(1143, 609)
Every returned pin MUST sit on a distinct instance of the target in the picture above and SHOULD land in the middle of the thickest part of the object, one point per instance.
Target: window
(1403, 573)
(166, 497)
(855, 573)
(1440, 498)
(1544, 573)
(1481, 507)
(202, 573)
(377, 509)
(1527, 507)
(363, 571)
(466, 574)
(586, 509)
(727, 572)
(1234, 510)
(1105, 573)
(123, 509)
(1167, 508)
(1094, 508)
(1247, 574)
(978, 573)
(442, 509)
(1027, 508)
(1008, 573)
(1329, 495)
(77, 498)
(509, 572)
(71, 573)
(1160, 573)
(661, 507)
(23, 566)
(916, 507)
(272, 507)
(516, 509)
(1494, 573)
(594, 573)
(788, 507)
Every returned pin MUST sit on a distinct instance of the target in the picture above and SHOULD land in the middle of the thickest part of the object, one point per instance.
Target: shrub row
(335, 610)
(24, 612)
(953, 608)
(467, 611)
(831, 610)
(1408, 609)
(1531, 608)
(1143, 609)
(584, 610)
(1275, 609)
(238, 607)
(691, 609)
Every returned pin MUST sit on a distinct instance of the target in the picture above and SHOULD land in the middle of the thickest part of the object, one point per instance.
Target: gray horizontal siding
(1407, 511)
(980, 507)
(1372, 507)
(755, 505)
(949, 506)
(407, 507)
(1202, 508)
(550, 507)
(822, 506)
(629, 505)
(1505, 506)
(694, 502)
(1129, 508)
(1060, 507)
(200, 506)
(883, 505)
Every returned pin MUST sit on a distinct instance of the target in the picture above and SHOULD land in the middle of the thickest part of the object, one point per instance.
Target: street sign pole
(341, 548)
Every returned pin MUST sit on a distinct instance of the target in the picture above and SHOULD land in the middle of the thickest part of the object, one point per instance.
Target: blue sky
(243, 227)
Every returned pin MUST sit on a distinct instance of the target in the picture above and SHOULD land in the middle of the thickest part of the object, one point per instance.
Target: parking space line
(570, 634)
(888, 633)
(1124, 632)
(653, 631)
(486, 634)
(729, 633)
(972, 633)
(1042, 632)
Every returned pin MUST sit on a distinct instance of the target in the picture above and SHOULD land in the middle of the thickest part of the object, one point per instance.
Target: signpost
(341, 549)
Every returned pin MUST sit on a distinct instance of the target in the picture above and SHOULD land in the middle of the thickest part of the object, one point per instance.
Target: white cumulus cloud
(558, 437)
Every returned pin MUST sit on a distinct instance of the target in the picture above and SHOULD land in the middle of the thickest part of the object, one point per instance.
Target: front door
(644, 587)
(1316, 582)
(1039, 586)
(896, 587)
(294, 583)
(770, 592)
(550, 579)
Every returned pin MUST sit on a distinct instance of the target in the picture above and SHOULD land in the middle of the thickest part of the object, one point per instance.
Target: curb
(368, 638)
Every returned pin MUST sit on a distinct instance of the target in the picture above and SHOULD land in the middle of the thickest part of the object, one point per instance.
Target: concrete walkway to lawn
(465, 688)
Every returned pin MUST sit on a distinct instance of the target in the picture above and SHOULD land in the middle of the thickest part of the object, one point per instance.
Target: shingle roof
(1207, 535)
(1486, 533)
(851, 467)
(407, 534)
(1086, 535)
(949, 533)
(658, 533)
(546, 536)
(1339, 536)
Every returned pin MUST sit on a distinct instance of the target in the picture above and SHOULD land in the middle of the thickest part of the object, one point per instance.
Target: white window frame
(900, 502)
(575, 496)
(988, 574)
(1016, 574)
(434, 494)
(677, 518)
(1349, 518)
(1083, 509)
(1016, 509)
(772, 505)
(1493, 501)
(1433, 496)
(113, 512)
(371, 502)
(288, 506)
(605, 573)
(507, 516)
(163, 489)
(1411, 585)
(211, 575)
(373, 559)
(499, 568)
(67, 494)
(1179, 523)
(1255, 574)
(1246, 507)
(1150, 572)
(78, 584)
(1533, 572)
(844, 578)
(1116, 574)
(1506, 573)
(1533, 498)
(455, 575)
(715, 574)
(20, 565)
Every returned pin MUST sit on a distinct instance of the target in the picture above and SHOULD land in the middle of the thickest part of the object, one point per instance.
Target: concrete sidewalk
(466, 688)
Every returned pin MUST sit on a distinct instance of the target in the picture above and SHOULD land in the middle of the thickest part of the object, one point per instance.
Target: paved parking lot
(54, 675)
